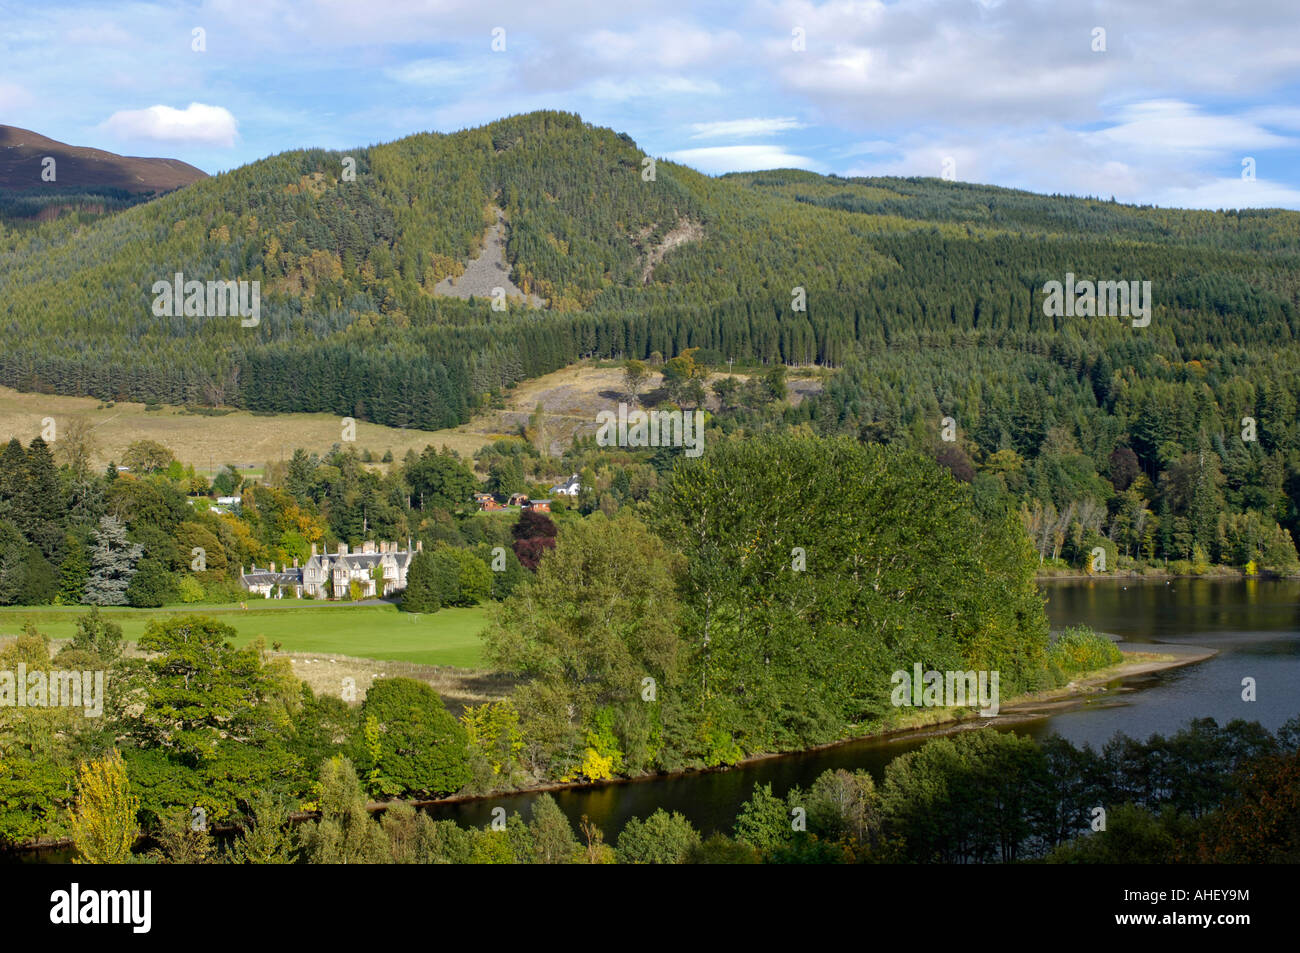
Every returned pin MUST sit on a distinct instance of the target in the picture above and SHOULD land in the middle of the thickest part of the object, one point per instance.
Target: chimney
(272, 565)
(295, 562)
(343, 549)
(419, 545)
(368, 547)
(313, 550)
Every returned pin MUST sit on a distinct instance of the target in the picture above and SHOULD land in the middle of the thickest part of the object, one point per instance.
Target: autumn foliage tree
(103, 822)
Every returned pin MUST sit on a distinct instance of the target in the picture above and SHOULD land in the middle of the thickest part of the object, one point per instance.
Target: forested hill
(350, 323)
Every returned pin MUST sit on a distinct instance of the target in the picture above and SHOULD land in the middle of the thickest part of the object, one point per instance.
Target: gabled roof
(264, 577)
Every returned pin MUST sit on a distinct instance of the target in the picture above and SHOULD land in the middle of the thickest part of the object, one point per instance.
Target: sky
(1169, 102)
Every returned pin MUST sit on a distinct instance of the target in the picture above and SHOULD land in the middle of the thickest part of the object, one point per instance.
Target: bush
(190, 590)
(218, 588)
(1079, 649)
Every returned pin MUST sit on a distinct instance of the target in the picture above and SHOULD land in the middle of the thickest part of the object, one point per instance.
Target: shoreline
(1017, 710)
(1216, 573)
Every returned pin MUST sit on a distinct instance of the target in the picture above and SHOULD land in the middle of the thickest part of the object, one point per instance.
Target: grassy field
(448, 637)
(571, 398)
(208, 443)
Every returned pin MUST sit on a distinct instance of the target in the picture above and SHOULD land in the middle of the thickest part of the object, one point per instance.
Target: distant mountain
(22, 153)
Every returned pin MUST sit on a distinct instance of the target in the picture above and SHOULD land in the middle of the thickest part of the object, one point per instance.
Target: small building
(518, 499)
(486, 501)
(569, 487)
(272, 583)
(538, 506)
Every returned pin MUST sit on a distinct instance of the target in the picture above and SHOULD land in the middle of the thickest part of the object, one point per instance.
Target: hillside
(81, 185)
(22, 153)
(914, 273)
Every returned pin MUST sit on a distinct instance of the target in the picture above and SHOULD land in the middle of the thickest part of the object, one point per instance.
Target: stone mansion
(329, 575)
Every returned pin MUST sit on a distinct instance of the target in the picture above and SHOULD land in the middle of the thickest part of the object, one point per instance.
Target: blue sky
(1182, 98)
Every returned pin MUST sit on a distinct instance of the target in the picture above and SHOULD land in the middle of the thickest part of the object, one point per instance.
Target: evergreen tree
(13, 482)
(113, 560)
(151, 586)
(74, 571)
(423, 588)
(43, 505)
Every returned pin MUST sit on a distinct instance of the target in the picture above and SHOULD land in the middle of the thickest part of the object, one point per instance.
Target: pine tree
(42, 503)
(13, 482)
(113, 558)
(74, 571)
(423, 587)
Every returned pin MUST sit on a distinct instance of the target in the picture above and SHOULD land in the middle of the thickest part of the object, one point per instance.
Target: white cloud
(1167, 125)
(718, 159)
(663, 44)
(632, 87)
(1161, 152)
(13, 96)
(1230, 193)
(744, 128)
(431, 73)
(196, 124)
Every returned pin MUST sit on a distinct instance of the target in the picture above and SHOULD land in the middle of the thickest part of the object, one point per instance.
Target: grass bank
(448, 638)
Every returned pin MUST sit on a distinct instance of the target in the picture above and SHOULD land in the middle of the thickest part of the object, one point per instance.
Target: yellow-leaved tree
(103, 821)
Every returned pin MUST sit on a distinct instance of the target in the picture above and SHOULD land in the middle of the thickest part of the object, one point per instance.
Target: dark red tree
(534, 534)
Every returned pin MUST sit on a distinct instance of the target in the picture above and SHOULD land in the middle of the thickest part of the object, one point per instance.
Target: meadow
(448, 637)
(239, 437)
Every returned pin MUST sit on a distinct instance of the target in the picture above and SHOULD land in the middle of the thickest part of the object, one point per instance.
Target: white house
(332, 574)
(329, 575)
(270, 584)
(569, 487)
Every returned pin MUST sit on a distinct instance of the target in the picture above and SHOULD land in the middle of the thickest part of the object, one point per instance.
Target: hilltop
(22, 153)
(632, 258)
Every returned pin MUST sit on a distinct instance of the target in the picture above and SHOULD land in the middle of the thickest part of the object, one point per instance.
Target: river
(1254, 625)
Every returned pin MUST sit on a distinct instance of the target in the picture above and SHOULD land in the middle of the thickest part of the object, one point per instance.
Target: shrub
(190, 589)
(1079, 649)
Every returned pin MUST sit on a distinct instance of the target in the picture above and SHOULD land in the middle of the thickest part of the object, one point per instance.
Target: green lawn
(448, 637)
